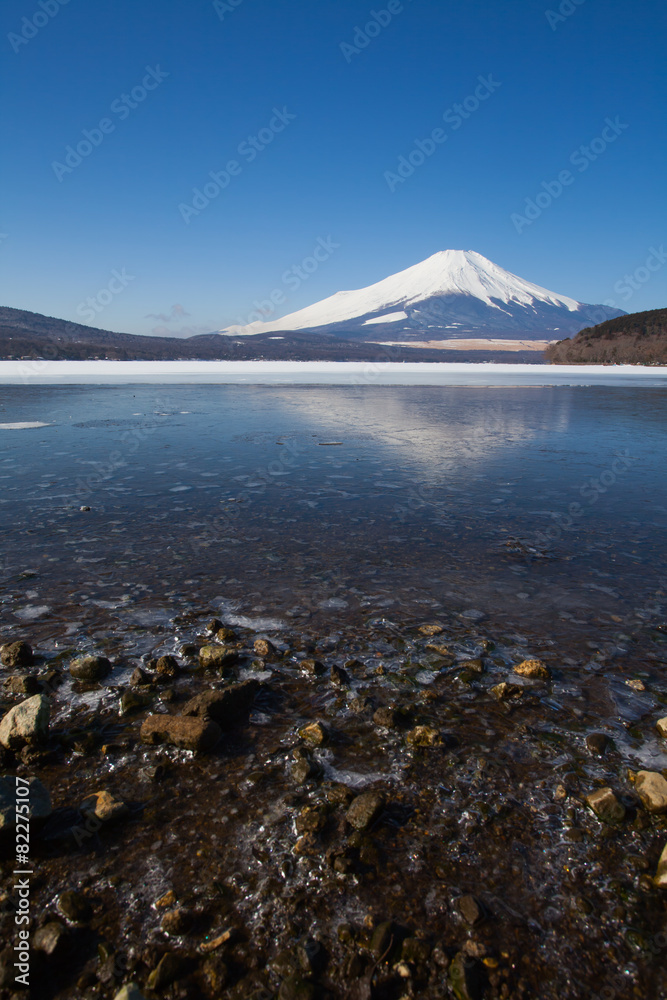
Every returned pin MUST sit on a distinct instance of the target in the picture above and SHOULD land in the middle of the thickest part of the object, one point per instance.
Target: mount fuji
(451, 294)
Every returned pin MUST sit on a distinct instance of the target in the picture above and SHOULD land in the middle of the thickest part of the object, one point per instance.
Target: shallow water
(539, 508)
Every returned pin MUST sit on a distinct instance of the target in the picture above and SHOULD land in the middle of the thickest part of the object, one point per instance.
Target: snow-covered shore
(42, 372)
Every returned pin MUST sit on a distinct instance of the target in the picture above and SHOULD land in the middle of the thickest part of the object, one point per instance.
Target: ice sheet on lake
(41, 372)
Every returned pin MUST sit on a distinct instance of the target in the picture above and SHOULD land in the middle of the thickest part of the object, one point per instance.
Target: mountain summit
(452, 293)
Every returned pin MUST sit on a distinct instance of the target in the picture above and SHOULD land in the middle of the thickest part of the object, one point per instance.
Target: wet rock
(104, 806)
(130, 992)
(505, 690)
(661, 875)
(473, 615)
(466, 978)
(415, 951)
(90, 668)
(606, 806)
(652, 790)
(216, 974)
(140, 678)
(471, 909)
(597, 743)
(385, 939)
(296, 988)
(38, 800)
(170, 968)
(178, 921)
(424, 736)
(473, 666)
(431, 629)
(339, 676)
(213, 943)
(166, 669)
(313, 667)
(214, 625)
(227, 706)
(22, 684)
(134, 701)
(75, 907)
(187, 733)
(447, 658)
(264, 648)
(16, 654)
(225, 634)
(311, 956)
(52, 939)
(387, 717)
(365, 809)
(314, 733)
(218, 657)
(27, 722)
(661, 726)
(534, 669)
(302, 770)
(636, 684)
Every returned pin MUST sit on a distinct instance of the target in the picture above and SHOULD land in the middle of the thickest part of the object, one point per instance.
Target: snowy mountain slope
(454, 291)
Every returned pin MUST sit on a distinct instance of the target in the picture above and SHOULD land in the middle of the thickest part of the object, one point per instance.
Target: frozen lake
(40, 372)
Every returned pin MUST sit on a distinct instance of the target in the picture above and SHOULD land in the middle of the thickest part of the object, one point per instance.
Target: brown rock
(104, 806)
(90, 668)
(424, 736)
(312, 667)
(652, 790)
(431, 629)
(16, 654)
(365, 809)
(264, 648)
(387, 717)
(180, 731)
(505, 690)
(217, 657)
(661, 876)
(167, 669)
(470, 909)
(314, 733)
(606, 806)
(661, 726)
(534, 669)
(227, 706)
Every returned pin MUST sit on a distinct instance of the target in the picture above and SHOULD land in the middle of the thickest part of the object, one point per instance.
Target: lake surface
(540, 509)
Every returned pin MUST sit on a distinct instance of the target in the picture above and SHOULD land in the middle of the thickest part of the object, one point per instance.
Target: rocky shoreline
(394, 811)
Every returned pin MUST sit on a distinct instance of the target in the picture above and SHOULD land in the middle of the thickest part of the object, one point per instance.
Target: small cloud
(177, 312)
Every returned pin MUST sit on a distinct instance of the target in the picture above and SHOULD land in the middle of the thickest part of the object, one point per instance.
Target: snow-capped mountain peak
(453, 291)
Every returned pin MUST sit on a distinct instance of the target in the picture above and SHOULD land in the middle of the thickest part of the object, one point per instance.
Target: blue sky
(312, 117)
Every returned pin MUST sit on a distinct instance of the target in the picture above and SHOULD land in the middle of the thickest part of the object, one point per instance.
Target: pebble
(177, 922)
(424, 736)
(312, 667)
(52, 939)
(129, 992)
(597, 743)
(16, 654)
(652, 790)
(75, 907)
(264, 648)
(27, 722)
(470, 909)
(534, 669)
(505, 690)
(226, 706)
(104, 806)
(661, 876)
(217, 657)
(661, 726)
(606, 806)
(432, 629)
(365, 809)
(187, 733)
(314, 733)
(23, 684)
(168, 969)
(167, 669)
(387, 717)
(90, 668)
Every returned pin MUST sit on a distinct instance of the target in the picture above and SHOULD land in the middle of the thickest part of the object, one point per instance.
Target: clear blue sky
(323, 175)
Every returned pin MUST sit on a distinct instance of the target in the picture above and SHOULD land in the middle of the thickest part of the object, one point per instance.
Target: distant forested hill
(636, 339)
